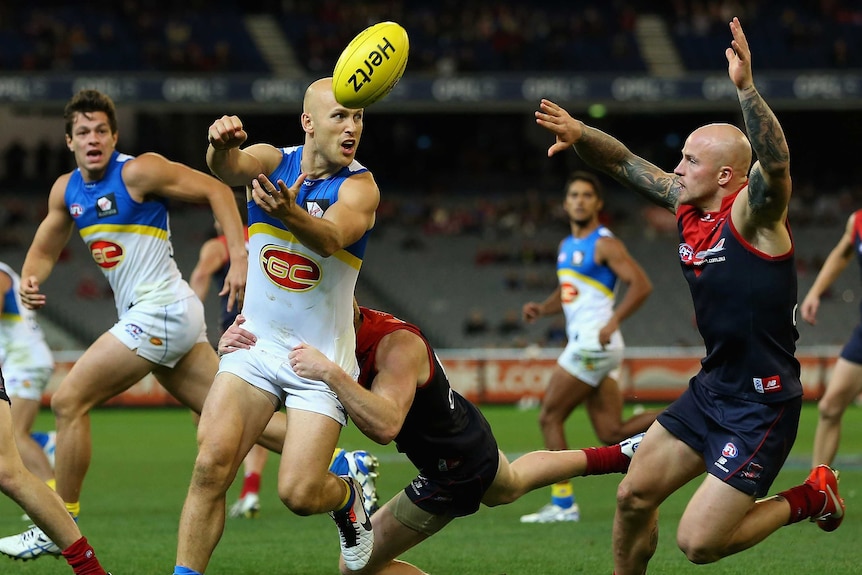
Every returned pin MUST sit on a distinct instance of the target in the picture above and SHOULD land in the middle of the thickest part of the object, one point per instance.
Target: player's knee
(610, 435)
(698, 552)
(299, 498)
(550, 419)
(67, 405)
(630, 501)
(830, 409)
(213, 469)
(8, 476)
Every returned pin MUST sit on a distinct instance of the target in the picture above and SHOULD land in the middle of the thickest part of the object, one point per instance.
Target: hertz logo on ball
(289, 270)
(371, 65)
(107, 254)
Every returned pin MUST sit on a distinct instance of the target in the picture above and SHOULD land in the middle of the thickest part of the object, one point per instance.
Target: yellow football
(371, 65)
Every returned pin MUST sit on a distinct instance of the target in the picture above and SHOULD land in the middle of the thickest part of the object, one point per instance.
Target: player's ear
(725, 174)
(307, 124)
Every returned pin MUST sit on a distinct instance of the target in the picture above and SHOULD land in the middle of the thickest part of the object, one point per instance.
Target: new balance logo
(767, 384)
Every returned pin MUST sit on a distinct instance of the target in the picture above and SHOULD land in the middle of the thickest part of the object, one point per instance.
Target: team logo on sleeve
(106, 206)
(317, 207)
(315, 210)
(288, 269)
(76, 210)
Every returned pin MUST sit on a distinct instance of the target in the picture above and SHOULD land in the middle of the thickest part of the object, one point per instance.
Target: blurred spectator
(511, 323)
(476, 323)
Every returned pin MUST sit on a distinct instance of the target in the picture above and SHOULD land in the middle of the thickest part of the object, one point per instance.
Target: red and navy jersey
(744, 304)
(442, 431)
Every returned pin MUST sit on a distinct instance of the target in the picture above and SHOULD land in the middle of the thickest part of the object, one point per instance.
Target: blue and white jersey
(587, 290)
(129, 240)
(22, 343)
(294, 295)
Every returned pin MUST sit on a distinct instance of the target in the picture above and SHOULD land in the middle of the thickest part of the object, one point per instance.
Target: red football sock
(804, 502)
(603, 460)
(250, 484)
(82, 558)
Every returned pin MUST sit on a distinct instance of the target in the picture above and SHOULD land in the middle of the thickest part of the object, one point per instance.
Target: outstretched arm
(769, 180)
(604, 152)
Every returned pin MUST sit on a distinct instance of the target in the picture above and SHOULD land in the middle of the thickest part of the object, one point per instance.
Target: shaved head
(726, 145)
(318, 92)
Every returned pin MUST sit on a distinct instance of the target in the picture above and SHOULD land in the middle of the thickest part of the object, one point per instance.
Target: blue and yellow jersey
(294, 295)
(129, 240)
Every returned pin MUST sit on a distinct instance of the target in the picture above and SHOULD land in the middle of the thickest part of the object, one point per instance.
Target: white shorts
(163, 334)
(591, 366)
(272, 373)
(26, 383)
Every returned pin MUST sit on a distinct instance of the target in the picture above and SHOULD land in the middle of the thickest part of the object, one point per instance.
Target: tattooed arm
(769, 180)
(604, 152)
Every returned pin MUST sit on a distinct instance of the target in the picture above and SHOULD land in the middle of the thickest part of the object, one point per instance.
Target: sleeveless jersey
(744, 303)
(441, 425)
(129, 240)
(22, 343)
(587, 288)
(294, 295)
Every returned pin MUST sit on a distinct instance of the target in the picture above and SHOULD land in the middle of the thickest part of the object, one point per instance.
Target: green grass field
(143, 458)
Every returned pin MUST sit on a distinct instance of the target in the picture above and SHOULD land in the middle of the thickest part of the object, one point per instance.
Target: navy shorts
(853, 348)
(743, 443)
(3, 395)
(458, 490)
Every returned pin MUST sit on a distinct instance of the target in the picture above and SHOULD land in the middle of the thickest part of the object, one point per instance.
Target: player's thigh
(605, 404)
(845, 383)
(192, 377)
(713, 514)
(104, 371)
(309, 441)
(661, 465)
(233, 417)
(564, 393)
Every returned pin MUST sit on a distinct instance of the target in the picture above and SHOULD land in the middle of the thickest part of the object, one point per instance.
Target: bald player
(310, 214)
(737, 420)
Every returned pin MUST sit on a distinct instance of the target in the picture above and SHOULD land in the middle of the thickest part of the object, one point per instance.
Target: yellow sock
(343, 503)
(562, 494)
(335, 454)
(74, 509)
(52, 483)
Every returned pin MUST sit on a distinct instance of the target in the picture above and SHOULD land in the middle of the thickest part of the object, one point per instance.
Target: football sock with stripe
(562, 494)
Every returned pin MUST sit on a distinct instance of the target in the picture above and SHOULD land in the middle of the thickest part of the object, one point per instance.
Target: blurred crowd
(447, 36)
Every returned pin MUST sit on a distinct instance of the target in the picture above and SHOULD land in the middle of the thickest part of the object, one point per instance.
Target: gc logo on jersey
(107, 254)
(568, 292)
(288, 269)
